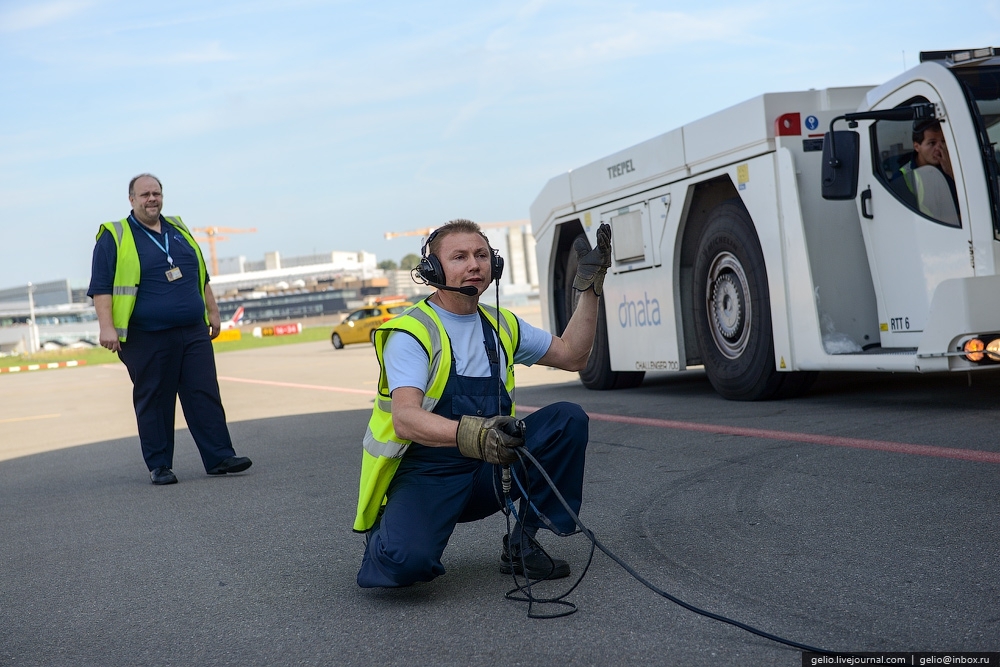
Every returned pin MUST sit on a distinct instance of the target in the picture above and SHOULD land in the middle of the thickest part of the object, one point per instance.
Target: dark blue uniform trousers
(435, 488)
(168, 364)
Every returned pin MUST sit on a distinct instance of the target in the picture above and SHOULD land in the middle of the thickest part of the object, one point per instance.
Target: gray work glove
(488, 439)
(593, 263)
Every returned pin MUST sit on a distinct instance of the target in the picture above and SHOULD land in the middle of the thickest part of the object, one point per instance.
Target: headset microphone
(468, 290)
(421, 277)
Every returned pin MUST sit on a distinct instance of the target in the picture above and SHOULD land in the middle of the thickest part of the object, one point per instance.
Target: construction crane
(211, 235)
(426, 231)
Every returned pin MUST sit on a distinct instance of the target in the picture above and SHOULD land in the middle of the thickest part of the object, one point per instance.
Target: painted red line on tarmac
(974, 455)
(811, 438)
(295, 385)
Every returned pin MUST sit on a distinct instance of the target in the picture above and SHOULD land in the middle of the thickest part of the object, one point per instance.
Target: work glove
(490, 439)
(593, 263)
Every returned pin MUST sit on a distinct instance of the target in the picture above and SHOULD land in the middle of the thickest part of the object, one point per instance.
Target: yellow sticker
(883, 327)
(782, 363)
(743, 174)
(586, 219)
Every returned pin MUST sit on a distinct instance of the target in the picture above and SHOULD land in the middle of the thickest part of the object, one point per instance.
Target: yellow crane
(426, 231)
(211, 235)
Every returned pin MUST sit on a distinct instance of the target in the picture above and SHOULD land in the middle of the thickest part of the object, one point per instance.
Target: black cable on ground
(525, 588)
(595, 543)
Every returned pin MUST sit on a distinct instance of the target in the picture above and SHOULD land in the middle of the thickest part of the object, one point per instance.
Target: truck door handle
(866, 198)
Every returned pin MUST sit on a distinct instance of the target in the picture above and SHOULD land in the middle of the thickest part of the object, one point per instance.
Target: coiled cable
(526, 594)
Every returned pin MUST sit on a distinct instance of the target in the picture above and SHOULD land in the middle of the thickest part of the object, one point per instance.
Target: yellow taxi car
(360, 325)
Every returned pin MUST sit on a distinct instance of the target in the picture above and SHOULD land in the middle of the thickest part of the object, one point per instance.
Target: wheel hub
(728, 305)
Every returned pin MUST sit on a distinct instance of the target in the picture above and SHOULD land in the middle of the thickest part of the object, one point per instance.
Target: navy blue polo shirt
(160, 303)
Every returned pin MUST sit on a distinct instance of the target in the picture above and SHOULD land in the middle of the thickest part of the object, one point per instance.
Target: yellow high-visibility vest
(383, 449)
(128, 271)
(915, 184)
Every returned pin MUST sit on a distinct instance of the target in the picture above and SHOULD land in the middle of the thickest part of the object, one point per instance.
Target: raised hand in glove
(488, 438)
(593, 263)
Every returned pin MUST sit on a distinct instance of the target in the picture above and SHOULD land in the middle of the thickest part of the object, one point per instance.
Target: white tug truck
(795, 233)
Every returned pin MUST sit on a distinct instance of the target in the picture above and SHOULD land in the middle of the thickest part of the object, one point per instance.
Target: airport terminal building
(54, 315)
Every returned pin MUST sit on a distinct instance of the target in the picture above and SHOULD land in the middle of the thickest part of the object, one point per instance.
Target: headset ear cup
(424, 269)
(496, 267)
(430, 269)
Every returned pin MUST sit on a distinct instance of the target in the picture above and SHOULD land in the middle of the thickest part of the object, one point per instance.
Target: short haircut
(131, 184)
(459, 226)
(922, 125)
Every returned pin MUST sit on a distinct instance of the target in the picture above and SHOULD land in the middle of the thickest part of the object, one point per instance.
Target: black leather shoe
(162, 475)
(232, 464)
(531, 561)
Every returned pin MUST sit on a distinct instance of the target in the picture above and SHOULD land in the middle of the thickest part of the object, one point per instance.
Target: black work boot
(162, 475)
(232, 464)
(529, 559)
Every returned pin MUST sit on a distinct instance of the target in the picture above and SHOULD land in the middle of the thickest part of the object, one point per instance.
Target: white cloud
(992, 7)
(613, 35)
(39, 15)
(209, 53)
(535, 48)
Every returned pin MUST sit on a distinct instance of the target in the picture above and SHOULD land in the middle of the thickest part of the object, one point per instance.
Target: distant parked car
(360, 325)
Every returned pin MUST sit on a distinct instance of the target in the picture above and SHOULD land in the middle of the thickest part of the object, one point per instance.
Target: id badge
(174, 274)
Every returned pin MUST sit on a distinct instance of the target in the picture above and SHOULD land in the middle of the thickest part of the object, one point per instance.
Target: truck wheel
(598, 374)
(732, 310)
(795, 384)
(337, 342)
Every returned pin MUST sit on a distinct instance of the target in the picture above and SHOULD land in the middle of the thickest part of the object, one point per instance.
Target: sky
(324, 124)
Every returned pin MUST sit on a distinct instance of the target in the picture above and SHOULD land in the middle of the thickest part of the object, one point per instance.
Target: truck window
(910, 160)
(982, 91)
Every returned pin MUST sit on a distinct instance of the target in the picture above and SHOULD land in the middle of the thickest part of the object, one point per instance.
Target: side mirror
(841, 151)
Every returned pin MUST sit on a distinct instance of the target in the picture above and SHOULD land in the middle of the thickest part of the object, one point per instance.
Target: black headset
(430, 271)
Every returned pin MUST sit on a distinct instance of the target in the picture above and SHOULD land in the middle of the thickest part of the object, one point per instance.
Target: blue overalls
(436, 488)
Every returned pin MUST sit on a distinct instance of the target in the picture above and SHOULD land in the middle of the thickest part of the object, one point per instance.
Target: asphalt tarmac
(822, 545)
(102, 568)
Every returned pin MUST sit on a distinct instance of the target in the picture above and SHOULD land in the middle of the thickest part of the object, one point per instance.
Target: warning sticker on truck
(743, 175)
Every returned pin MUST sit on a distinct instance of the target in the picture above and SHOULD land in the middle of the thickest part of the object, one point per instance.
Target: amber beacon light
(979, 350)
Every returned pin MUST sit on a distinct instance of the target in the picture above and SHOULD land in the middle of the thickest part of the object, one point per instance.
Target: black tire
(598, 374)
(732, 311)
(795, 384)
(337, 342)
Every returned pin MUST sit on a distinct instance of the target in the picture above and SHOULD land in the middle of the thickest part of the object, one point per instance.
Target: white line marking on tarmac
(295, 385)
(24, 419)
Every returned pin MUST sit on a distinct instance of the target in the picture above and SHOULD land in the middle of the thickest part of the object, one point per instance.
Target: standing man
(442, 427)
(157, 311)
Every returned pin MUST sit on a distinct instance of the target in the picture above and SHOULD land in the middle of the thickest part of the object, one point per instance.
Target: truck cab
(931, 225)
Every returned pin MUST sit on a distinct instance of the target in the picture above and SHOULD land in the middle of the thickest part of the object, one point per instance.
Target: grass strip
(98, 355)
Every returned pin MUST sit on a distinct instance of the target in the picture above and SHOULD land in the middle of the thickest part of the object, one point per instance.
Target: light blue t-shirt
(406, 360)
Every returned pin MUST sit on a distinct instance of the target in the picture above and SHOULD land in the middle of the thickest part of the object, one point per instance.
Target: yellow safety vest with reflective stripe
(915, 184)
(128, 271)
(383, 449)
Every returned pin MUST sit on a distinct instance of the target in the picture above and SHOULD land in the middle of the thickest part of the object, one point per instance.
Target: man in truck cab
(928, 175)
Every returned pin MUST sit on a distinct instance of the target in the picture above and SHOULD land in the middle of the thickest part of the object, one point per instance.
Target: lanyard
(166, 250)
